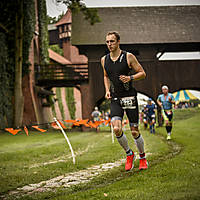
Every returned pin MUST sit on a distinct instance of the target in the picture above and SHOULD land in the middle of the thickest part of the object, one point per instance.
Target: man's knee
(117, 130)
(135, 133)
(168, 123)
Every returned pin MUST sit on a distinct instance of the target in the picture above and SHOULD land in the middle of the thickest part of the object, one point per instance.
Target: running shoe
(169, 137)
(129, 162)
(143, 164)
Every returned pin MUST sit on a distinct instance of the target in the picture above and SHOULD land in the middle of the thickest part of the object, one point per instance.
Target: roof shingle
(140, 25)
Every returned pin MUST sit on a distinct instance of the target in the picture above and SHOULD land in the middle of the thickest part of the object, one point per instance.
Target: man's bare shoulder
(130, 55)
(103, 60)
(103, 57)
(130, 58)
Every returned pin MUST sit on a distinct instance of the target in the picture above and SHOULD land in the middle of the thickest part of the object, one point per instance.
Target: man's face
(112, 42)
(165, 91)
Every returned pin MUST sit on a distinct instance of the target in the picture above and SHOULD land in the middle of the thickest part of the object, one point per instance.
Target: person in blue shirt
(144, 116)
(151, 115)
(165, 101)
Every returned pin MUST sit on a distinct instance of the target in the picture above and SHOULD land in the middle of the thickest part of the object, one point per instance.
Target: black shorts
(168, 115)
(151, 117)
(117, 111)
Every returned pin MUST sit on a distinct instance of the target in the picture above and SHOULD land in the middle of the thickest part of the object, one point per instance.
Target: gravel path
(67, 180)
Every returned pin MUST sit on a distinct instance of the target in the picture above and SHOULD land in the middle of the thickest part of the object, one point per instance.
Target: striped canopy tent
(183, 95)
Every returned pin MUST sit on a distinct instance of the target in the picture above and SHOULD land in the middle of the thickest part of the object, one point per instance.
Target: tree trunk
(18, 94)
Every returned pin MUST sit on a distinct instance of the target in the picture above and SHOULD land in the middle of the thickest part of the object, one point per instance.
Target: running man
(118, 85)
(165, 101)
(151, 116)
(144, 116)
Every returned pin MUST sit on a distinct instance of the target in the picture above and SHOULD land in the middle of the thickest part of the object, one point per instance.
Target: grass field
(174, 171)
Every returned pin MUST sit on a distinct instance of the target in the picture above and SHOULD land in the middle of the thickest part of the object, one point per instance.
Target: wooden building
(145, 32)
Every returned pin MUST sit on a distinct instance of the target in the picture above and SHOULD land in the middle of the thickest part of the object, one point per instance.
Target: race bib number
(128, 102)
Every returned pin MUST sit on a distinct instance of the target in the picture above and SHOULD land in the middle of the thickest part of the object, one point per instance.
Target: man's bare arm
(135, 65)
(106, 80)
(159, 103)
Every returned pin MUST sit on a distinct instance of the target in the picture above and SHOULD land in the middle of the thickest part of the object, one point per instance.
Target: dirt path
(67, 180)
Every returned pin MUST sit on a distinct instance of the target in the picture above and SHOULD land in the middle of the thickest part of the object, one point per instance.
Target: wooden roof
(58, 58)
(66, 19)
(140, 25)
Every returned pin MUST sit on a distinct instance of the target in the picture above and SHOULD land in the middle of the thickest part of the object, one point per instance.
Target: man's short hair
(114, 33)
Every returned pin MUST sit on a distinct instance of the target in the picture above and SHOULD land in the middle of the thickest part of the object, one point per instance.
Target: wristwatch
(132, 78)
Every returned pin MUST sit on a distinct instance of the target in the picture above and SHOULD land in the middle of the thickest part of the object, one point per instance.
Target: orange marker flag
(39, 129)
(107, 121)
(54, 125)
(76, 124)
(70, 121)
(92, 125)
(26, 130)
(86, 125)
(13, 131)
(99, 122)
(62, 124)
(83, 121)
(103, 120)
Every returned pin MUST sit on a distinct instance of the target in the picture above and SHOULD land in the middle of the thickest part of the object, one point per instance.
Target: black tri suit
(123, 95)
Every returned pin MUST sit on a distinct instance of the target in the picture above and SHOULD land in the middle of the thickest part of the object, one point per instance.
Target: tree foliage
(6, 107)
(53, 20)
(7, 44)
(57, 49)
(8, 29)
(71, 101)
(28, 30)
(79, 6)
(7, 61)
(43, 32)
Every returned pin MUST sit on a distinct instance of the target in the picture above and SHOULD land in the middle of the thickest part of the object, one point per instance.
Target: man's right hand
(107, 95)
(160, 104)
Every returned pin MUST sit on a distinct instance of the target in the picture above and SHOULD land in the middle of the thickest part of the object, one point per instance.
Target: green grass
(174, 171)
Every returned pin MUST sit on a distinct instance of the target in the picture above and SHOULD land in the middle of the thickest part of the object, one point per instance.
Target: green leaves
(5, 86)
(79, 6)
(43, 32)
(28, 30)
